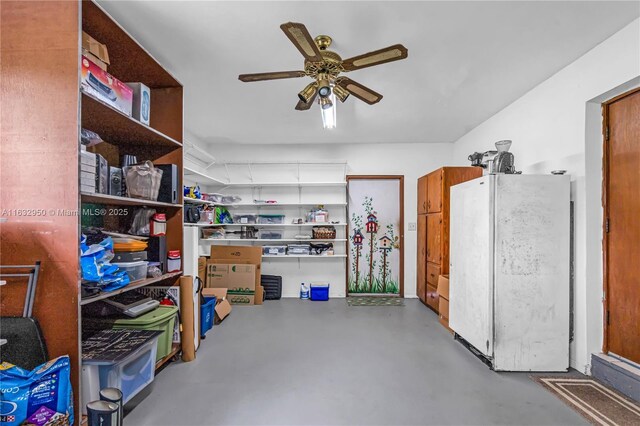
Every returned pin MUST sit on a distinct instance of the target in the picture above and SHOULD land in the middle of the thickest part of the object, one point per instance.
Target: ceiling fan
(325, 67)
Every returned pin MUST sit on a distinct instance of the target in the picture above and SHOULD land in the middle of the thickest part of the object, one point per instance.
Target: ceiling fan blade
(359, 91)
(301, 106)
(302, 40)
(270, 76)
(377, 57)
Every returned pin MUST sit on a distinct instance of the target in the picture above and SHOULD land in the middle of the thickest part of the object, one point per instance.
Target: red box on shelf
(100, 84)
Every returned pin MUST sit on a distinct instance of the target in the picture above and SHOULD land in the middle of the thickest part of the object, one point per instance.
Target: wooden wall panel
(39, 163)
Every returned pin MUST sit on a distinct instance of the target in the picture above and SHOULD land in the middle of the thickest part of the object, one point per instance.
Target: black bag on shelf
(191, 214)
(272, 286)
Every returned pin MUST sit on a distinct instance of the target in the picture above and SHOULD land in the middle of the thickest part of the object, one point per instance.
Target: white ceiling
(467, 60)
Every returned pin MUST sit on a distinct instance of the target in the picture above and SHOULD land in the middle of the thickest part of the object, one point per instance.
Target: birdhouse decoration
(372, 224)
(386, 243)
(358, 238)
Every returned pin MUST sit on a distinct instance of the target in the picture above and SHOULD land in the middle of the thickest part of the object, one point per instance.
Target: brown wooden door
(434, 191)
(434, 237)
(421, 284)
(622, 242)
(422, 195)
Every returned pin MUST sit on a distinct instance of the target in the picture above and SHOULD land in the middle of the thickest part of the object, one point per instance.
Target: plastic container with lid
(245, 218)
(174, 261)
(271, 219)
(158, 225)
(274, 250)
(130, 372)
(298, 249)
(136, 270)
(319, 292)
(160, 319)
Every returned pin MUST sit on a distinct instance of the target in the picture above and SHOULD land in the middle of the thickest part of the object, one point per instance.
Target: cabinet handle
(429, 203)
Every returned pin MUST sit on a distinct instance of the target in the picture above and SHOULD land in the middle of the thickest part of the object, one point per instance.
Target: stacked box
(87, 172)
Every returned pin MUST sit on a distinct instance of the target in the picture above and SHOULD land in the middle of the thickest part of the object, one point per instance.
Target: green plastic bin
(162, 318)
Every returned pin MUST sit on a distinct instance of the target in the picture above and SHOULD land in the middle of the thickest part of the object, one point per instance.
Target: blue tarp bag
(41, 397)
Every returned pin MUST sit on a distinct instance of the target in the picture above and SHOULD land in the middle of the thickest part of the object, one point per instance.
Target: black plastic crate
(272, 286)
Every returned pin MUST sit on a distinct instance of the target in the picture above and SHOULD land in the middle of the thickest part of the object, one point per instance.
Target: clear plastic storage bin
(271, 219)
(245, 218)
(274, 250)
(135, 270)
(271, 234)
(298, 249)
(130, 373)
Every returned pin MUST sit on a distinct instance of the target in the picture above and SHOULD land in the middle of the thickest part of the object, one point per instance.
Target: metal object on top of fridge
(509, 270)
(493, 162)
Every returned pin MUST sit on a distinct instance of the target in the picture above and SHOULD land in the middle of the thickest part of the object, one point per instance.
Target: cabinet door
(422, 195)
(433, 273)
(432, 298)
(434, 192)
(434, 238)
(421, 284)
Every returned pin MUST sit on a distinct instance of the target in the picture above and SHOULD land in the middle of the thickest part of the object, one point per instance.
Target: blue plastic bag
(94, 261)
(41, 397)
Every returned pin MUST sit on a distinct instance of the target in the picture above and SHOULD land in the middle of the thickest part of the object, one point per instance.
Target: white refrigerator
(509, 270)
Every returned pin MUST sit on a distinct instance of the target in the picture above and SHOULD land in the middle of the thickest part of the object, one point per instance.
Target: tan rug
(597, 403)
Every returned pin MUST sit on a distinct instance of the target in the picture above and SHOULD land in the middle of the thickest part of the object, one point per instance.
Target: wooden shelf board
(117, 128)
(123, 201)
(132, 286)
(271, 240)
(175, 348)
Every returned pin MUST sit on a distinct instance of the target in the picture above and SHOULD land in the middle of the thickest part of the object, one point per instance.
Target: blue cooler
(207, 315)
(319, 292)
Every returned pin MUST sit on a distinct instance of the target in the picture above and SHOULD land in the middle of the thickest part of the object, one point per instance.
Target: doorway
(621, 227)
(375, 235)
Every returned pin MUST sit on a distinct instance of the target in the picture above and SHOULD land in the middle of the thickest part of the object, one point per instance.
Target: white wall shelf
(202, 178)
(304, 256)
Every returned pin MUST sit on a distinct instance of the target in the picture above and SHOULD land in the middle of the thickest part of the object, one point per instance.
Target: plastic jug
(304, 291)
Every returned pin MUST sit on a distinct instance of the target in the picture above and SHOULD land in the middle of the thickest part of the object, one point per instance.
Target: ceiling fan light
(324, 85)
(325, 103)
(340, 93)
(308, 93)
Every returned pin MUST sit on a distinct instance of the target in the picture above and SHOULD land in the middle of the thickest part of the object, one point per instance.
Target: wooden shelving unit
(132, 286)
(124, 201)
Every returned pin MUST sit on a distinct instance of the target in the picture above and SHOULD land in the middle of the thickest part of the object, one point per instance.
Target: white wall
(557, 125)
(410, 160)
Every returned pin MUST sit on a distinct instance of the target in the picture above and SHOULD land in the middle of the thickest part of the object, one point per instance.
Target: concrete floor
(324, 363)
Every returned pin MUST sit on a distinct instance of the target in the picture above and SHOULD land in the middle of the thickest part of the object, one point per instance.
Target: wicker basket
(324, 232)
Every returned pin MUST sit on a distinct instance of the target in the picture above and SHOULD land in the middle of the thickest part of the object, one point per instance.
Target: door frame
(400, 179)
(605, 214)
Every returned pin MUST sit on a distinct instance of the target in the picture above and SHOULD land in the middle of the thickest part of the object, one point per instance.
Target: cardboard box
(102, 85)
(443, 286)
(202, 269)
(443, 307)
(234, 277)
(445, 324)
(240, 255)
(242, 299)
(95, 49)
(223, 307)
(93, 58)
(141, 109)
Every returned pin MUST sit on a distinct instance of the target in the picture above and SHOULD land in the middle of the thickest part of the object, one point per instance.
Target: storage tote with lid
(160, 319)
(118, 359)
(136, 270)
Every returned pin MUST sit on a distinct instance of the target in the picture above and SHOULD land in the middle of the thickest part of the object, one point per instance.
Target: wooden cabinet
(434, 191)
(433, 228)
(434, 238)
(422, 195)
(422, 257)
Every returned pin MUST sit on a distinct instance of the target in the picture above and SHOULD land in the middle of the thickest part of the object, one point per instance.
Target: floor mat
(595, 402)
(374, 301)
